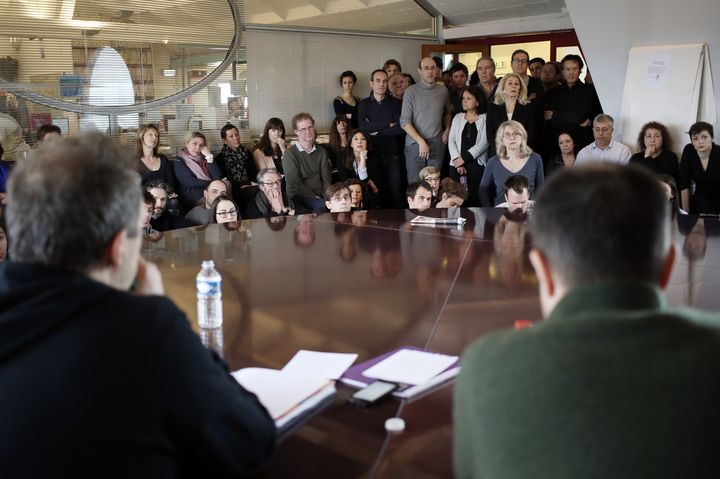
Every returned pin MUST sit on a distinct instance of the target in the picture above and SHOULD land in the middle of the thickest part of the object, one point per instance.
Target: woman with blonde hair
(194, 169)
(514, 157)
(510, 103)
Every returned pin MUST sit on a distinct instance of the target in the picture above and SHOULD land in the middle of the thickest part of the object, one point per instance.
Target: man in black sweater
(97, 381)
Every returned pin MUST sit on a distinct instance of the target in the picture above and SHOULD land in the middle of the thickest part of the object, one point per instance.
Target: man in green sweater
(612, 383)
(306, 167)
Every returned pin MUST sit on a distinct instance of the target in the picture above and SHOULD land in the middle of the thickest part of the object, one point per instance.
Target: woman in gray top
(513, 157)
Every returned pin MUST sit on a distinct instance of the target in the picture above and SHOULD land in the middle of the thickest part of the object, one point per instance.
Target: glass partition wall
(112, 66)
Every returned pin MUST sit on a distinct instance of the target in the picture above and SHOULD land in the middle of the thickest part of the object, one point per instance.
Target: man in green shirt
(613, 383)
(306, 167)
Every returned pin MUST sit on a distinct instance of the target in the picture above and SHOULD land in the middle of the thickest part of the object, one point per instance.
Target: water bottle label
(208, 287)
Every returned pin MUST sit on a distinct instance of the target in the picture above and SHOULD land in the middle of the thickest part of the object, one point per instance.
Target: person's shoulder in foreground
(612, 383)
(100, 381)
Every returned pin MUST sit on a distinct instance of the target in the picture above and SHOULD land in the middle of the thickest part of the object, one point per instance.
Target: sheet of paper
(277, 391)
(318, 364)
(410, 367)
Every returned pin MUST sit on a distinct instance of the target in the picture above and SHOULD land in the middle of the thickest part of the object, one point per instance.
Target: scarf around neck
(198, 165)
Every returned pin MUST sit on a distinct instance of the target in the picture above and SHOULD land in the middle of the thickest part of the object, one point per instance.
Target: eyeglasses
(519, 61)
(340, 198)
(306, 130)
(272, 183)
(225, 214)
(511, 134)
(432, 179)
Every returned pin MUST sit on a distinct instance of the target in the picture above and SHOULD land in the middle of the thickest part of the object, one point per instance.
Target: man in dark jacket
(97, 381)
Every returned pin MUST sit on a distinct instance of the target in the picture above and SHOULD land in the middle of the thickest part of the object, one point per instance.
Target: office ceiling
(464, 12)
(391, 15)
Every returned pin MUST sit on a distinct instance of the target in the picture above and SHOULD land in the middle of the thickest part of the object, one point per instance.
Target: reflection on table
(368, 282)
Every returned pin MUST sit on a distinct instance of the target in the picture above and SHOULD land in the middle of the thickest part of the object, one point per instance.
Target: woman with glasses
(700, 172)
(510, 103)
(432, 176)
(514, 157)
(224, 210)
(271, 146)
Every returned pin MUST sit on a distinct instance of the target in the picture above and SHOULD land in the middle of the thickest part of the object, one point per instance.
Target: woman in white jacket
(468, 143)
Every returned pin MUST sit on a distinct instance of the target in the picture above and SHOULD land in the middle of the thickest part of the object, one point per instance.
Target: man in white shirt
(603, 148)
(517, 195)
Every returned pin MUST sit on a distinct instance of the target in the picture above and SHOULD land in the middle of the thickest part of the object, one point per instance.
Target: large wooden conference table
(369, 282)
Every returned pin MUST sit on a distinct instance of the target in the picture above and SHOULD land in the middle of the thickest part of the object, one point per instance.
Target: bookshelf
(138, 58)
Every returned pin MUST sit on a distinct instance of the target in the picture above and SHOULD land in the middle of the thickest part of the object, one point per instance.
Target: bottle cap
(522, 324)
(395, 425)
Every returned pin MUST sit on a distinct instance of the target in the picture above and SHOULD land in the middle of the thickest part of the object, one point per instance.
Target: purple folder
(354, 376)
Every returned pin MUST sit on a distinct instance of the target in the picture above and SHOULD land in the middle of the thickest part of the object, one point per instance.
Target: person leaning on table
(98, 381)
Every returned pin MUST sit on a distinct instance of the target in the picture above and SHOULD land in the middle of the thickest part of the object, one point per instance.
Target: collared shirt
(299, 147)
(615, 152)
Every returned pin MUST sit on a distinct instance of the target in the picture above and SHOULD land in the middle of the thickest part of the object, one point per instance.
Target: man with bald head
(426, 115)
(201, 214)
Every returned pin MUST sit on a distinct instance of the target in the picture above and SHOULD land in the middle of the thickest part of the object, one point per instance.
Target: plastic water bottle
(209, 296)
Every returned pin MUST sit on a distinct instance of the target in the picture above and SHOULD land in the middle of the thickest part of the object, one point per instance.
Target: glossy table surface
(366, 283)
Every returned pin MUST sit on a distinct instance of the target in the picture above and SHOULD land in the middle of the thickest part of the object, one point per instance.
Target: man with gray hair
(604, 148)
(96, 380)
(613, 383)
(269, 199)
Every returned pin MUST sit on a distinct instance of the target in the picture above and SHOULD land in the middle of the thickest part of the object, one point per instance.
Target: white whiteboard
(669, 84)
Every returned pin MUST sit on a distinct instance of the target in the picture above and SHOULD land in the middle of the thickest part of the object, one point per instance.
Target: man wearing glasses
(269, 200)
(306, 167)
(536, 92)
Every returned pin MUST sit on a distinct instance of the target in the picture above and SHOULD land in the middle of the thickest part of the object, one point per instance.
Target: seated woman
(194, 169)
(510, 103)
(150, 164)
(224, 210)
(339, 139)
(271, 146)
(655, 151)
(347, 103)
(358, 162)
(431, 175)
(700, 165)
(468, 144)
(567, 156)
(514, 157)
(356, 193)
(452, 194)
